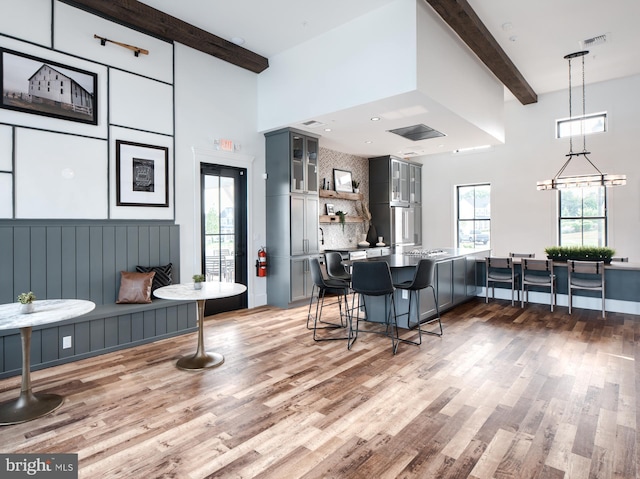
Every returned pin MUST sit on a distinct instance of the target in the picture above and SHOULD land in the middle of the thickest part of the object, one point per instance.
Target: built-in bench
(83, 260)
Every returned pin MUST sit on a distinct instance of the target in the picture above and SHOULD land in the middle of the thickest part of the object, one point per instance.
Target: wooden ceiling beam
(464, 21)
(149, 20)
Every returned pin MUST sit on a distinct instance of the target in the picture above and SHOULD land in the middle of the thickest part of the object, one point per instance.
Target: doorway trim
(236, 160)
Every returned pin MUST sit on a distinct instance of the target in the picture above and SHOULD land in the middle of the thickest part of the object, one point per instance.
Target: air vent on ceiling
(594, 41)
(417, 132)
(312, 123)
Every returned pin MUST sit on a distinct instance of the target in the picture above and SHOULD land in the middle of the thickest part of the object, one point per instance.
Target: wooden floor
(504, 393)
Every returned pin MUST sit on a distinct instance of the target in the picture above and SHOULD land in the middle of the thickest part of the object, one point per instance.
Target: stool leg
(437, 318)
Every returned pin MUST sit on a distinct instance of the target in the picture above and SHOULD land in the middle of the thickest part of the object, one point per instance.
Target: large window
(583, 216)
(474, 215)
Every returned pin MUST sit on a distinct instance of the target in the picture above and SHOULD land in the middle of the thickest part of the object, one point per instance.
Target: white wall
(327, 73)
(225, 109)
(522, 218)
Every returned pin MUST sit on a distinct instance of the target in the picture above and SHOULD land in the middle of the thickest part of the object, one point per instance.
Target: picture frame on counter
(330, 209)
(342, 180)
(39, 86)
(142, 174)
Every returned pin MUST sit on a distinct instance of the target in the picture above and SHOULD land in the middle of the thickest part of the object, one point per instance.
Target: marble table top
(45, 312)
(210, 290)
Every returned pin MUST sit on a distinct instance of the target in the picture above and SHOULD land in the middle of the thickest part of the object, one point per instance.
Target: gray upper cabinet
(304, 164)
(400, 190)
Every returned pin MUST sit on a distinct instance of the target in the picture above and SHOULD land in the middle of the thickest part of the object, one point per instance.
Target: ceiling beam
(464, 21)
(149, 20)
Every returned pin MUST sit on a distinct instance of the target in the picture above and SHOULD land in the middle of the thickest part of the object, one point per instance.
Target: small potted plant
(356, 186)
(198, 279)
(26, 301)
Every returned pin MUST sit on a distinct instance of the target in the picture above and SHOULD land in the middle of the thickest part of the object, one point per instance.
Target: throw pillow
(163, 275)
(135, 287)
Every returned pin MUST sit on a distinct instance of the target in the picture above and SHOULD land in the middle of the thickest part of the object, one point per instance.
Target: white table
(210, 290)
(29, 405)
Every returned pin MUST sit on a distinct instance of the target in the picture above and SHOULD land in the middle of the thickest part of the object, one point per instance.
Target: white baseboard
(584, 302)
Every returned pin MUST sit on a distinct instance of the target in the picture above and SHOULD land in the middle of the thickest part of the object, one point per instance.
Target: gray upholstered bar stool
(587, 275)
(320, 287)
(500, 270)
(372, 278)
(335, 268)
(423, 278)
(538, 272)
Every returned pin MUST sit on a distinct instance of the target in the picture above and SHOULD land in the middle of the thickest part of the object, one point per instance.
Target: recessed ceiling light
(368, 142)
(237, 40)
(375, 118)
(327, 129)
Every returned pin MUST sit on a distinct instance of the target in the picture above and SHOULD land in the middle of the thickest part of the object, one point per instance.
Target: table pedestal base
(201, 361)
(28, 406)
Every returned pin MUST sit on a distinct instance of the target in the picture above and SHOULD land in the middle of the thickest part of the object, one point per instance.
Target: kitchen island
(455, 283)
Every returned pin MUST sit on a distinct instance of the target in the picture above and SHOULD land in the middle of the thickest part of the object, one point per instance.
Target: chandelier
(580, 181)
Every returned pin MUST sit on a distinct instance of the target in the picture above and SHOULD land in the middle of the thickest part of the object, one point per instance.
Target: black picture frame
(142, 174)
(43, 87)
(342, 181)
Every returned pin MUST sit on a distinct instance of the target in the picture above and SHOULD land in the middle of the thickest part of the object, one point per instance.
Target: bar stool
(587, 275)
(335, 268)
(500, 270)
(372, 278)
(422, 278)
(538, 272)
(320, 287)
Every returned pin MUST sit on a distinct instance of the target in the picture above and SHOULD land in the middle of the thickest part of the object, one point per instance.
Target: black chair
(335, 268)
(372, 278)
(320, 287)
(422, 278)
(588, 275)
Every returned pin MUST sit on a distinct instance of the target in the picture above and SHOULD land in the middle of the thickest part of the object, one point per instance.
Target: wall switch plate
(66, 342)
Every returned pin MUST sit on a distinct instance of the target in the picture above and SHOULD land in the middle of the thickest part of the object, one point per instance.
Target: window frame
(475, 219)
(582, 218)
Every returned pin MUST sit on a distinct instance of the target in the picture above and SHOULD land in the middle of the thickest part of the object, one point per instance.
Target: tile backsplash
(334, 237)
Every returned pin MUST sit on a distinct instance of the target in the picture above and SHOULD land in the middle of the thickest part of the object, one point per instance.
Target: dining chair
(538, 272)
(320, 287)
(372, 278)
(423, 278)
(586, 275)
(500, 270)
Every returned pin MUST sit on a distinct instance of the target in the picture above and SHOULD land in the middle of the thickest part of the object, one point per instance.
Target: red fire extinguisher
(261, 264)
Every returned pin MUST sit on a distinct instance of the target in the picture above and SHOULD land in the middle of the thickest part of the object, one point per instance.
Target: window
(577, 126)
(583, 216)
(474, 215)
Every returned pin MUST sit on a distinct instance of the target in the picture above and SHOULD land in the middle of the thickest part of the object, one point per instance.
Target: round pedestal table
(210, 290)
(30, 405)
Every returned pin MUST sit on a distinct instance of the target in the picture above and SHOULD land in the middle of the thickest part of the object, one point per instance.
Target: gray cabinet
(304, 224)
(395, 197)
(291, 214)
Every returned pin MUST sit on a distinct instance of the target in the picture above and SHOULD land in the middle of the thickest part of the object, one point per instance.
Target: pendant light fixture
(580, 181)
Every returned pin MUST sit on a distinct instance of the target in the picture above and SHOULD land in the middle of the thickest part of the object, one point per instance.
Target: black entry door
(224, 231)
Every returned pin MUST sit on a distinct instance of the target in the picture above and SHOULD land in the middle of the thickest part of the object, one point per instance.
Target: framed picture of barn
(36, 85)
(142, 174)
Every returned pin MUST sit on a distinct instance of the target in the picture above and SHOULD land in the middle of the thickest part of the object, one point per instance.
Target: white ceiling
(534, 34)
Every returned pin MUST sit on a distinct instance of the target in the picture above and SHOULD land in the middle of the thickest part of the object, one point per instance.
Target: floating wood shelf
(336, 219)
(340, 195)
